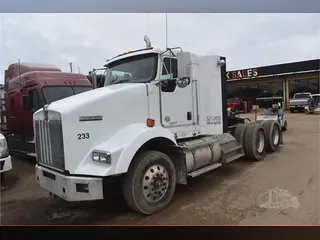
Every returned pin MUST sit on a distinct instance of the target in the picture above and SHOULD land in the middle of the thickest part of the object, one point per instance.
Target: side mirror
(183, 82)
(26, 102)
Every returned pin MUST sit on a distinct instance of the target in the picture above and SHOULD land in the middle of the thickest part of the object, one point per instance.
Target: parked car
(300, 101)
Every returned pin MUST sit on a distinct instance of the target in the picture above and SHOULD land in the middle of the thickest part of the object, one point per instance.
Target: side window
(169, 85)
(166, 67)
(35, 100)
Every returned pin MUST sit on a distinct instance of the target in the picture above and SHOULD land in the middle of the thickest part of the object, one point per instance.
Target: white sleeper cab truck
(160, 123)
(5, 159)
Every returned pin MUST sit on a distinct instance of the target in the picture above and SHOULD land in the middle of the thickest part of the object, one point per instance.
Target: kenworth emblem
(45, 112)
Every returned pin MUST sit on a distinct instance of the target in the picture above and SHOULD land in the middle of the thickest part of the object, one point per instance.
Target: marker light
(150, 122)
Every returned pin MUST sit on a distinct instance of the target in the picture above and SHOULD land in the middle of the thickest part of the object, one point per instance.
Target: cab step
(204, 170)
(231, 152)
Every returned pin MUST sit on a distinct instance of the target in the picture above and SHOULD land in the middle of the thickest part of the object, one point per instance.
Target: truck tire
(240, 132)
(285, 126)
(292, 110)
(272, 134)
(255, 142)
(150, 183)
(272, 129)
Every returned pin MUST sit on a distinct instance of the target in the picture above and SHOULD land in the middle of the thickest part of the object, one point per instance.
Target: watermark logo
(278, 199)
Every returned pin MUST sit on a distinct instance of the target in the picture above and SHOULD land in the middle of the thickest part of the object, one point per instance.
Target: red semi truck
(28, 87)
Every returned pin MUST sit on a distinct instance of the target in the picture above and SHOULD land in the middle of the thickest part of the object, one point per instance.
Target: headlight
(4, 151)
(101, 157)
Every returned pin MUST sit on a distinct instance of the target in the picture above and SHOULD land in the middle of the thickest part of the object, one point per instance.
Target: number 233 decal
(83, 136)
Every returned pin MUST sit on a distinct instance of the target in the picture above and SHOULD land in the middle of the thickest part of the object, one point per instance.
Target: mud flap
(181, 168)
(281, 138)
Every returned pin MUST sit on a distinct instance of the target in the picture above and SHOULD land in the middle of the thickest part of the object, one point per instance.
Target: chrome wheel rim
(276, 136)
(260, 142)
(155, 183)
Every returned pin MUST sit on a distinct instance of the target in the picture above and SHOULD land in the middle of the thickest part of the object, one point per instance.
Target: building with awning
(282, 80)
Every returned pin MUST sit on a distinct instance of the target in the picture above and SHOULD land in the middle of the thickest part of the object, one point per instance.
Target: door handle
(189, 116)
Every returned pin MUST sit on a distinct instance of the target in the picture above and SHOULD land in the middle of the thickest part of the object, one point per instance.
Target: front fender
(123, 145)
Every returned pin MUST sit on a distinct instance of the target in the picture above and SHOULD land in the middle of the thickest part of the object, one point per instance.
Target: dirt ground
(229, 195)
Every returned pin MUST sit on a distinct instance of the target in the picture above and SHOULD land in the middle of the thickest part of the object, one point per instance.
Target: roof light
(125, 53)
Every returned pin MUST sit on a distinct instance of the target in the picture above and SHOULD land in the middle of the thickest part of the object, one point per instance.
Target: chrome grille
(49, 143)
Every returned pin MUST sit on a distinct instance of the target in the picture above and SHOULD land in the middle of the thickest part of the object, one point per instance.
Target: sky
(88, 40)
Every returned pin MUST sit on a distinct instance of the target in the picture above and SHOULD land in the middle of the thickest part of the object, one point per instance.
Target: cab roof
(23, 66)
(50, 78)
(137, 52)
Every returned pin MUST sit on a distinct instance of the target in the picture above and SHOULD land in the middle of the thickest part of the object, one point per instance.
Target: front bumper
(5, 164)
(70, 188)
(298, 106)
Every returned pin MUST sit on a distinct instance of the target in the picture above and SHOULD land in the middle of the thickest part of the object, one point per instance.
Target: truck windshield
(52, 94)
(302, 95)
(137, 69)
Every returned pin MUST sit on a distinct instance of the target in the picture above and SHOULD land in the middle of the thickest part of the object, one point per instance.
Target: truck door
(12, 112)
(176, 99)
(36, 103)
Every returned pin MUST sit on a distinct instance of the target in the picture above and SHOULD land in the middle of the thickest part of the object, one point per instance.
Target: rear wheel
(150, 182)
(292, 110)
(272, 135)
(255, 142)
(240, 132)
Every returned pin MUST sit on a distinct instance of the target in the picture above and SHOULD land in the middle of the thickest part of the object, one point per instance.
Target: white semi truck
(5, 158)
(163, 122)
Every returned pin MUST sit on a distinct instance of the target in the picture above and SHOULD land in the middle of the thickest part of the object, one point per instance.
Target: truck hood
(74, 102)
(117, 106)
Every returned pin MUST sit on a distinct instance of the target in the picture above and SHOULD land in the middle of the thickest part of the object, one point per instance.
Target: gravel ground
(229, 195)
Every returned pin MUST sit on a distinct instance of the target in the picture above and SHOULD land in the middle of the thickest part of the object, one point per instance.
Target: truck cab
(160, 119)
(28, 88)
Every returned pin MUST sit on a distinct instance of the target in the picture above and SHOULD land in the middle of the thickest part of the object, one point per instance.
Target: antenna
(78, 68)
(70, 66)
(19, 66)
(166, 31)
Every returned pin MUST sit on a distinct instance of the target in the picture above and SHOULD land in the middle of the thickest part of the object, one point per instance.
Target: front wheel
(150, 183)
